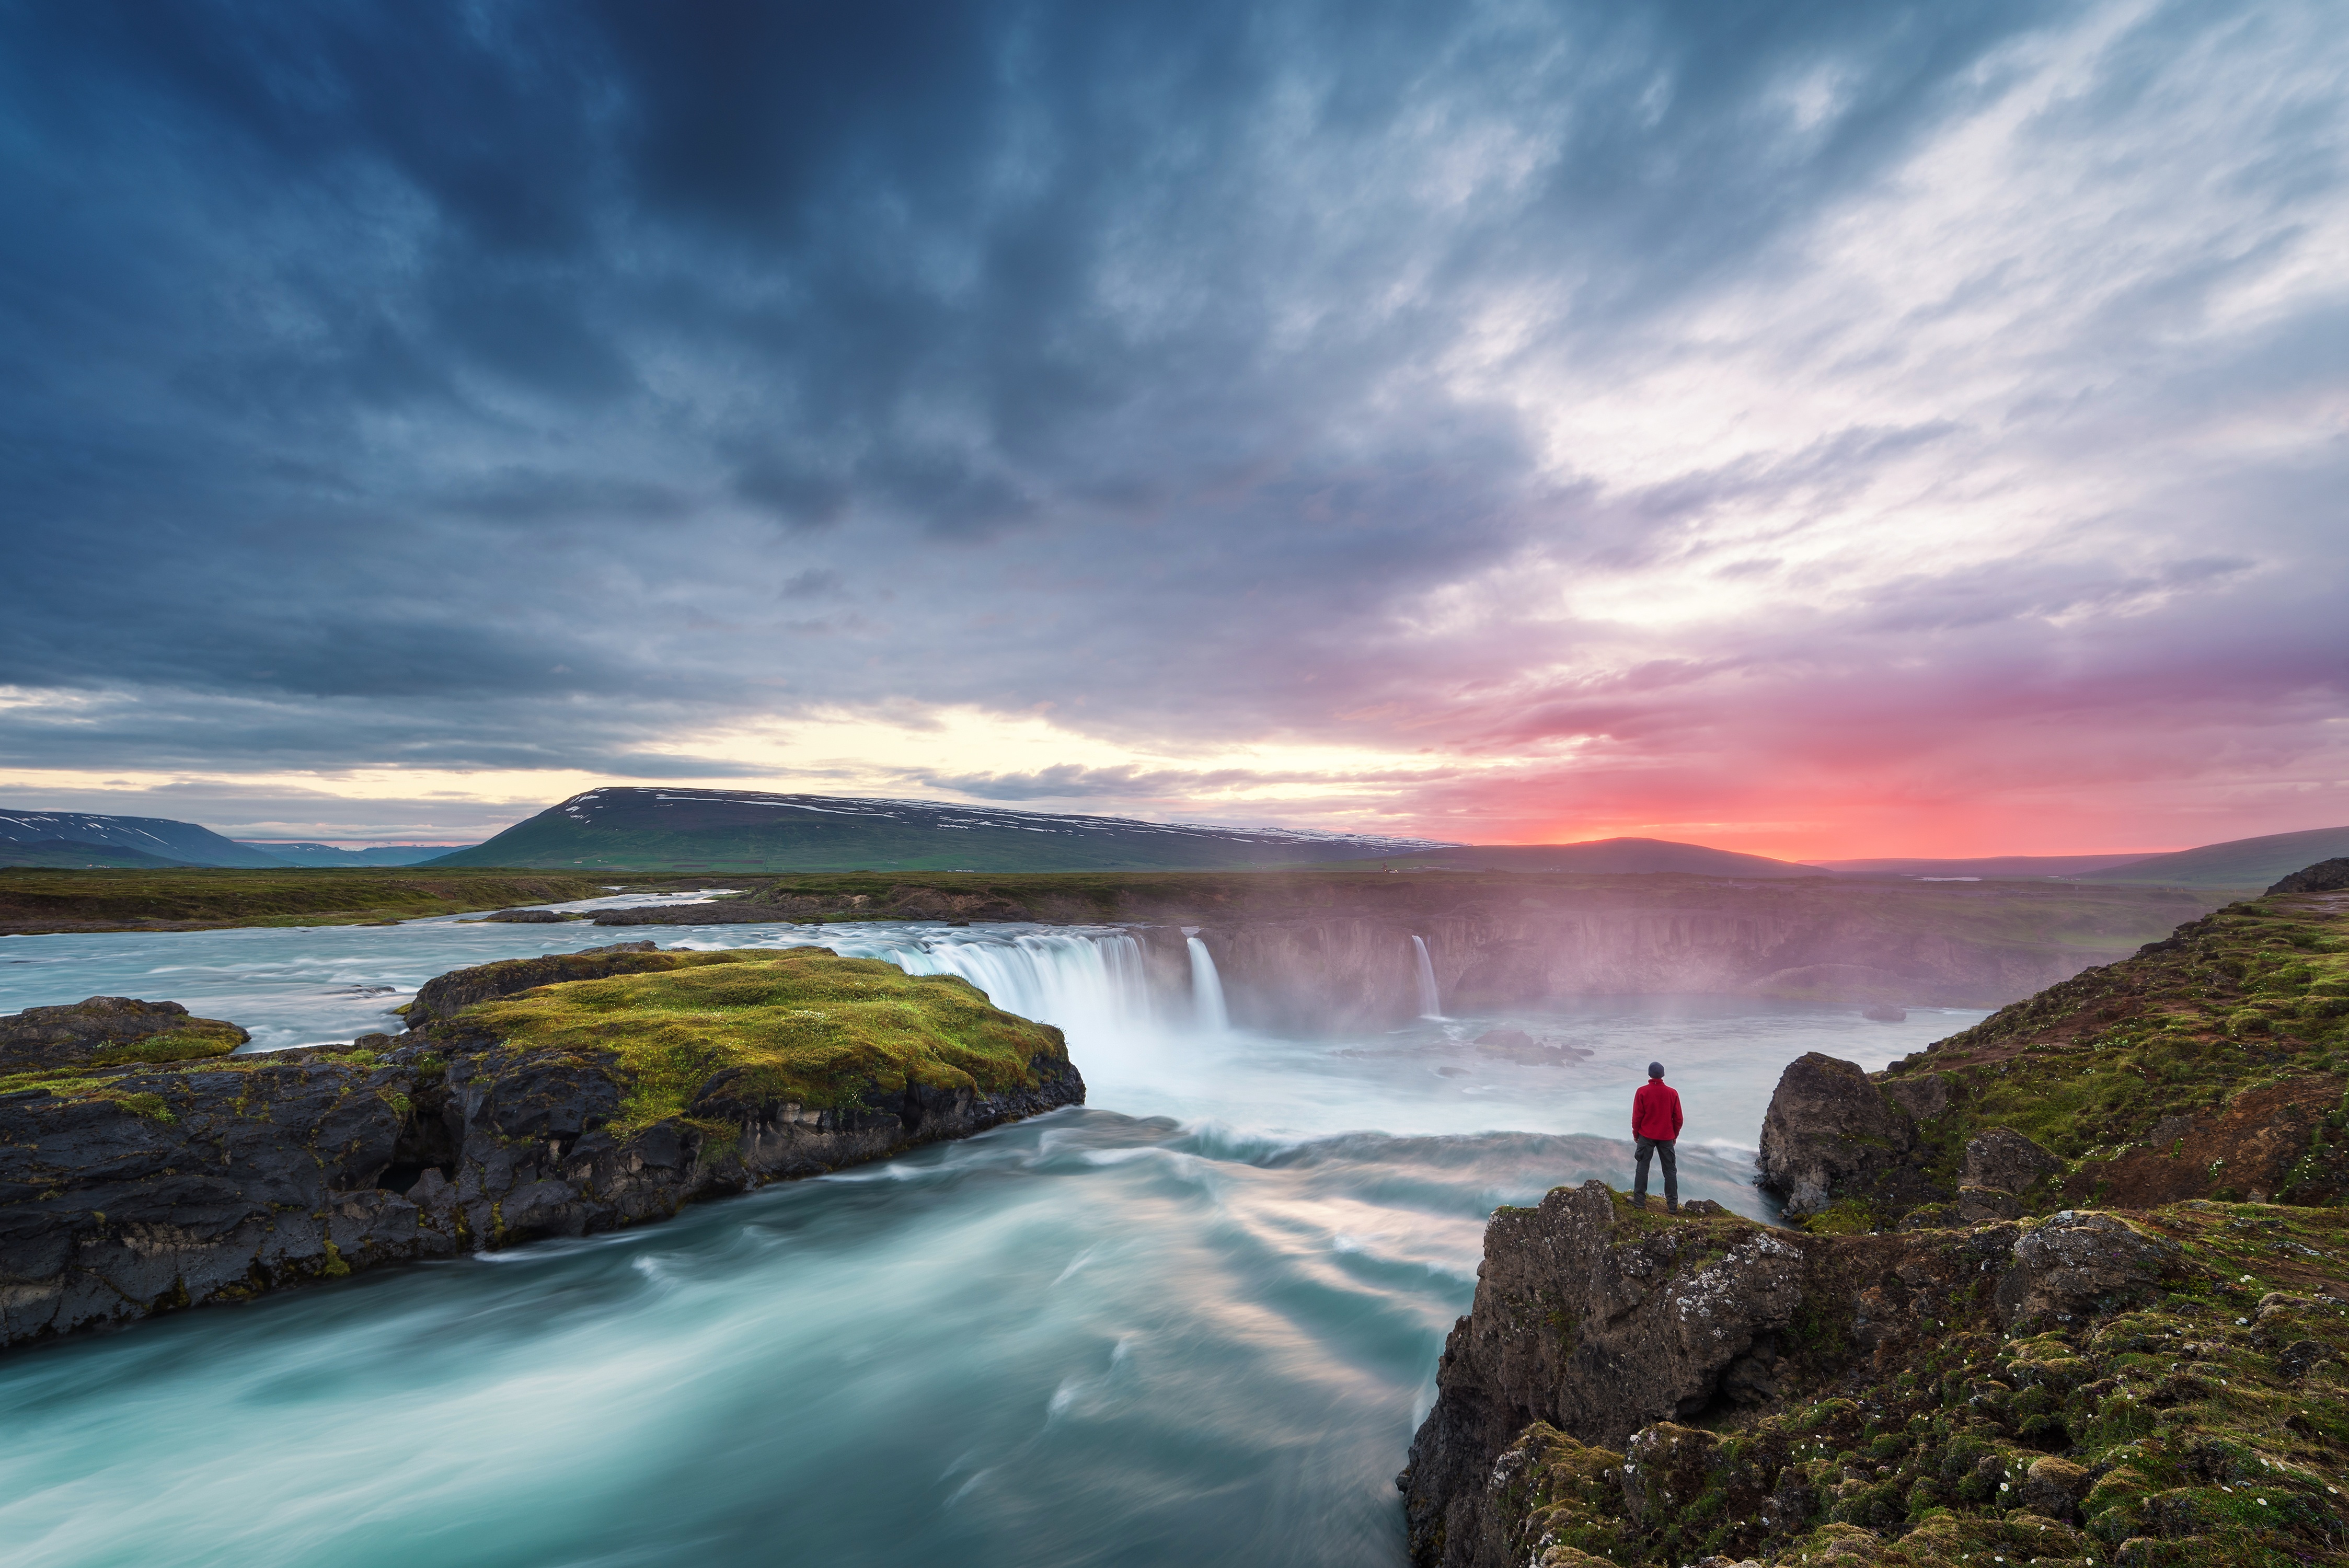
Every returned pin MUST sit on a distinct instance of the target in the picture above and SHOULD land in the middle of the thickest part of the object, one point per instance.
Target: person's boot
(1670, 1207)
(1639, 1200)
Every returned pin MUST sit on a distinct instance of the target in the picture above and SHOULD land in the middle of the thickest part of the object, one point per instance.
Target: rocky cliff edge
(2089, 1388)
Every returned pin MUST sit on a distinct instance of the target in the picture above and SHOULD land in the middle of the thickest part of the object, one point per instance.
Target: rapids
(1192, 1322)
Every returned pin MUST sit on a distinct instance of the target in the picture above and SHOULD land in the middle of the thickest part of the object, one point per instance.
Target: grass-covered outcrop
(2212, 1064)
(799, 1025)
(2162, 1389)
(142, 1171)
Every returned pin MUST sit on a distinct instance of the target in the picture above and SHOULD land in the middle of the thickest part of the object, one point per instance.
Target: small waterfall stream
(1207, 1009)
(1430, 1005)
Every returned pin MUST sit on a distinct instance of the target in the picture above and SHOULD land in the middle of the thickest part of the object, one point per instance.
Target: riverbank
(36, 900)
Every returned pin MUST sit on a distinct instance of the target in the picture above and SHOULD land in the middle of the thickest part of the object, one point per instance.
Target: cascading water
(1090, 984)
(1207, 1009)
(1194, 1320)
(1430, 1005)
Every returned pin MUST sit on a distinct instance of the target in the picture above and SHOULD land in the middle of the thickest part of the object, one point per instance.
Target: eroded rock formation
(133, 1186)
(1630, 1388)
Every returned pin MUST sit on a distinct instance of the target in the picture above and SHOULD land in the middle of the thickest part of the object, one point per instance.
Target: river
(1193, 1322)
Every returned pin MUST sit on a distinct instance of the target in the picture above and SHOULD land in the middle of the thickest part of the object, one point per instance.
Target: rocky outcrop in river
(138, 1176)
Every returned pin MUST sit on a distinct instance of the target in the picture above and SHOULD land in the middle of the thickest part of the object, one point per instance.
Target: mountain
(2239, 863)
(1609, 856)
(1988, 867)
(183, 843)
(740, 830)
(68, 854)
(375, 855)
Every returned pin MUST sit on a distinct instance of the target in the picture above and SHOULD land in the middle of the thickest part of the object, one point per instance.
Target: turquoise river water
(1193, 1322)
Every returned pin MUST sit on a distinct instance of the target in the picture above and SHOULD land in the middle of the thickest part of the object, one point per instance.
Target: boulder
(2079, 1262)
(2005, 1160)
(1923, 1096)
(1827, 1125)
(103, 1028)
(2324, 876)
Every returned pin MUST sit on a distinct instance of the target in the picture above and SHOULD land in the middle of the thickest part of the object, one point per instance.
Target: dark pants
(1661, 1148)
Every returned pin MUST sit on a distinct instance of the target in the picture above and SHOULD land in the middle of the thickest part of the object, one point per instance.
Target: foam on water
(1195, 1321)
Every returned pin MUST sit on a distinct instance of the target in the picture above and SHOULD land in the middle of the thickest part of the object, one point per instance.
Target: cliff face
(1633, 1388)
(130, 1190)
(1331, 952)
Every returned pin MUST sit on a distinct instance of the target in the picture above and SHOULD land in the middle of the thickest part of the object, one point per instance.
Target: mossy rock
(800, 1026)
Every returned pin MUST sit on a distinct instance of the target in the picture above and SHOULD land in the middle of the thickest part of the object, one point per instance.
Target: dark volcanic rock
(2324, 876)
(127, 1193)
(530, 917)
(164, 1188)
(2001, 1158)
(70, 1035)
(1636, 1389)
(1827, 1126)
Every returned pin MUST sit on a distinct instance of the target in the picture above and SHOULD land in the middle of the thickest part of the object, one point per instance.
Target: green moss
(1844, 1217)
(203, 1039)
(2180, 1427)
(799, 1025)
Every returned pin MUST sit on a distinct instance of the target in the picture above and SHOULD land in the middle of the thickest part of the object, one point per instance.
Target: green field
(191, 898)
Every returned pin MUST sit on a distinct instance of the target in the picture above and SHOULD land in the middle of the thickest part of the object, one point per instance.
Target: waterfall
(1207, 989)
(1091, 984)
(1431, 1005)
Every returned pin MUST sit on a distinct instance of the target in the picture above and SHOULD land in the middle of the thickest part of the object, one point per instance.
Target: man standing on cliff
(1655, 1125)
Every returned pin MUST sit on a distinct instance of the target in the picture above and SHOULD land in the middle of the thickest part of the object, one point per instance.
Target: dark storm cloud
(509, 386)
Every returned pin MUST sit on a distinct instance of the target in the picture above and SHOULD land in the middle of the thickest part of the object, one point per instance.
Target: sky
(1813, 429)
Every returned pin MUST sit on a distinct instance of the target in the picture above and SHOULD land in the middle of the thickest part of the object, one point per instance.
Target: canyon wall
(1799, 941)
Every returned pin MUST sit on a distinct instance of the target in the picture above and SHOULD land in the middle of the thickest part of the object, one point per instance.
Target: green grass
(36, 900)
(802, 1025)
(2256, 996)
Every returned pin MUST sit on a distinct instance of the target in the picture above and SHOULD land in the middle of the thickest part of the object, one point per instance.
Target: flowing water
(1193, 1322)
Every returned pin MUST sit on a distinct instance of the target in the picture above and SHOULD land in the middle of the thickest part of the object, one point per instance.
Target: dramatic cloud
(1824, 429)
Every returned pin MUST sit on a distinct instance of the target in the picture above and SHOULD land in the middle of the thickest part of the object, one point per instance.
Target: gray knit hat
(1655, 1069)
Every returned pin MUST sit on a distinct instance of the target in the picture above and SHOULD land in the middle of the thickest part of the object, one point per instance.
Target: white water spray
(1206, 989)
(1091, 984)
(1431, 1005)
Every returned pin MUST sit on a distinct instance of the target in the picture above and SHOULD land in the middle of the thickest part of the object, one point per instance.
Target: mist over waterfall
(1208, 1009)
(1091, 985)
(1430, 1005)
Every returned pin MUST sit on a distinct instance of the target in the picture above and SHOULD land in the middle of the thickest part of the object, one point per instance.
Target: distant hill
(2239, 863)
(738, 829)
(1611, 855)
(375, 855)
(68, 854)
(2000, 867)
(182, 844)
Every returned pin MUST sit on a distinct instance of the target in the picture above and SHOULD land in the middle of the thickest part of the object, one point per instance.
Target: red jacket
(1656, 1112)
